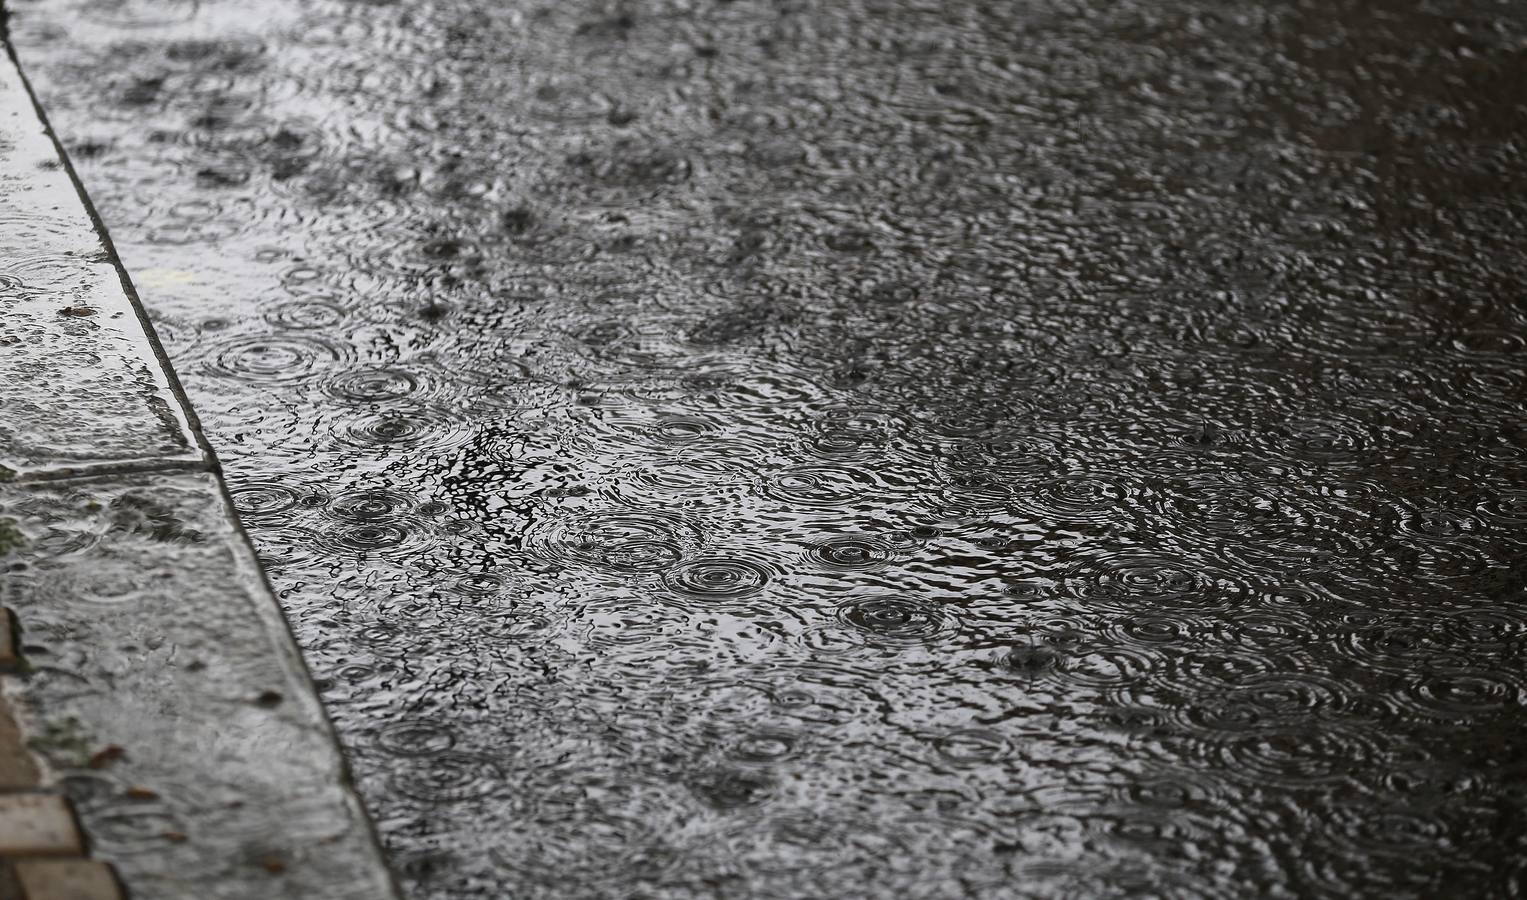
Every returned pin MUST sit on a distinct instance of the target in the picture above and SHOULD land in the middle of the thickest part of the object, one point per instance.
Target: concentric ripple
(416, 738)
(763, 747)
(820, 486)
(259, 500)
(379, 384)
(447, 777)
(1298, 755)
(1130, 579)
(973, 746)
(1505, 508)
(1463, 693)
(895, 619)
(1075, 498)
(307, 314)
(417, 427)
(384, 538)
(275, 358)
(851, 553)
(620, 541)
(781, 450)
(717, 578)
(371, 505)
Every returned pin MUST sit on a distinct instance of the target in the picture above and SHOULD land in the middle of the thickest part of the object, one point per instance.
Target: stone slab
(66, 879)
(18, 772)
(9, 660)
(37, 825)
(81, 383)
(168, 695)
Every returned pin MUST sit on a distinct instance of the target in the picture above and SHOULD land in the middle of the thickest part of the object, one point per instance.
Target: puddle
(743, 449)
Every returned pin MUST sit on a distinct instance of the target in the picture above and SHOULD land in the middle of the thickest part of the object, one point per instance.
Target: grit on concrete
(156, 681)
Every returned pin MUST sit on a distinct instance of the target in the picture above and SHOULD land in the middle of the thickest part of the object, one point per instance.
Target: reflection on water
(880, 448)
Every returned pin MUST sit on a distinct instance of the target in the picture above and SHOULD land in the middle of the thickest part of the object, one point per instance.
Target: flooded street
(861, 449)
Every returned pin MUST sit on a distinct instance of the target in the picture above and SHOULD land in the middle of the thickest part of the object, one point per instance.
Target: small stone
(141, 793)
(38, 825)
(76, 311)
(67, 879)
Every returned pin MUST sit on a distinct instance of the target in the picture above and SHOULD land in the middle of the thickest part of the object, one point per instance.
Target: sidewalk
(153, 690)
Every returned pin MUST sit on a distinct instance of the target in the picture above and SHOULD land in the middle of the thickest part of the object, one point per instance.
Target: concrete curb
(156, 682)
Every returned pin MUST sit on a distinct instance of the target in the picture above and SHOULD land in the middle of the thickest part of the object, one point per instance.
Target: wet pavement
(146, 672)
(862, 449)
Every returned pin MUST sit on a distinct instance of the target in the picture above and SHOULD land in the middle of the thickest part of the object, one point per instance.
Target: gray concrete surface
(83, 387)
(162, 687)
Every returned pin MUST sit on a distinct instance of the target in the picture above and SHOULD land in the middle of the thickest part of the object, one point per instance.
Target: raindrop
(764, 747)
(718, 578)
(275, 358)
(410, 427)
(973, 746)
(819, 486)
(263, 499)
(371, 505)
(447, 777)
(619, 541)
(851, 553)
(898, 619)
(372, 385)
(416, 738)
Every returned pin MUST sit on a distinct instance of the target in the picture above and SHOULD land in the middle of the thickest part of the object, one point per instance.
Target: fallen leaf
(106, 756)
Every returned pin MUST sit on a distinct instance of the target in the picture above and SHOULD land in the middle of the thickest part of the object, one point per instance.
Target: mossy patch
(64, 743)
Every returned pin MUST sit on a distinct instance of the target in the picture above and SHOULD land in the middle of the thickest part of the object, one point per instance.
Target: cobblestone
(67, 879)
(38, 825)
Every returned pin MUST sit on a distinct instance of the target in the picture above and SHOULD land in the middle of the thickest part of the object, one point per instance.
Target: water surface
(861, 449)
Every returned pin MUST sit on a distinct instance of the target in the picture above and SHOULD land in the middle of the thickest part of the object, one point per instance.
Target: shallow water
(878, 448)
